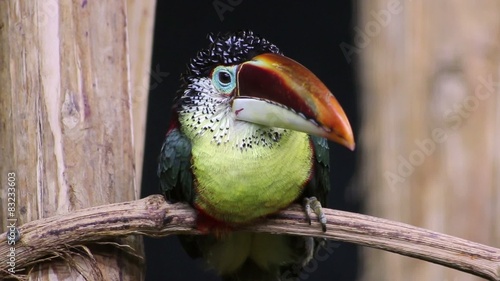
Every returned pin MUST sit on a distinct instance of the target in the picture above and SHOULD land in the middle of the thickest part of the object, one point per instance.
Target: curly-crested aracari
(248, 137)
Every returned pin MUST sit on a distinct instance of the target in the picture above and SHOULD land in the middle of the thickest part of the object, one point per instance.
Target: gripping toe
(312, 205)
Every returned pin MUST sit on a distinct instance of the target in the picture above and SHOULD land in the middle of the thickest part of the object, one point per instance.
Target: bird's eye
(224, 78)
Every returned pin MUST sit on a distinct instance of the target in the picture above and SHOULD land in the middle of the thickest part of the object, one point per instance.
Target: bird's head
(242, 86)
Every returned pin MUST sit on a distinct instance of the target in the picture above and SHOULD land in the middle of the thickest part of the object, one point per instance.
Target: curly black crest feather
(224, 49)
(228, 48)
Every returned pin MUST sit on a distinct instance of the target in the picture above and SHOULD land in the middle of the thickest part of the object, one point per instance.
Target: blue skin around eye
(224, 88)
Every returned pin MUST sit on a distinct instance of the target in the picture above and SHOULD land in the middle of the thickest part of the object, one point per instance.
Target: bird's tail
(250, 271)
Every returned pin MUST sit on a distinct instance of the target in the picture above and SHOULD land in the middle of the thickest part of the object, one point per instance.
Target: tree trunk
(141, 15)
(430, 73)
(66, 125)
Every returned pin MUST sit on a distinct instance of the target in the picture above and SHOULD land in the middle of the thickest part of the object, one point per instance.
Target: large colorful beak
(276, 91)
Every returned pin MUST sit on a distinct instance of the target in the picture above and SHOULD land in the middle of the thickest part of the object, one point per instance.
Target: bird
(248, 137)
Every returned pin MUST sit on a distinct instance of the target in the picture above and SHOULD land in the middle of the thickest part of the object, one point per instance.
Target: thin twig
(152, 216)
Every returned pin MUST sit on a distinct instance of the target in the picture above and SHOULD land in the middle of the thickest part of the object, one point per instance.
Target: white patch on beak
(266, 113)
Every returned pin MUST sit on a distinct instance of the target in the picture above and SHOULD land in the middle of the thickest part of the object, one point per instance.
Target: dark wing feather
(319, 185)
(176, 178)
(174, 167)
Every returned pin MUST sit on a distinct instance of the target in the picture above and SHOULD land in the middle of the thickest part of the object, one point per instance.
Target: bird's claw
(312, 204)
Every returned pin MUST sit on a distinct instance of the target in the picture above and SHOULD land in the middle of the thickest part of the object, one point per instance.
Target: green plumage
(174, 167)
(176, 178)
(231, 258)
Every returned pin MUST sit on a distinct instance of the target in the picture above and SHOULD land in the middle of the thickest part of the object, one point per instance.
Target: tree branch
(152, 216)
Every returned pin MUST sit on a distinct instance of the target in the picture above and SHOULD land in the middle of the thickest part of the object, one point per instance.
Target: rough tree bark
(66, 122)
(430, 72)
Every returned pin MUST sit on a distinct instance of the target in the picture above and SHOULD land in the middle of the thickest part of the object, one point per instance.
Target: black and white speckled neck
(204, 112)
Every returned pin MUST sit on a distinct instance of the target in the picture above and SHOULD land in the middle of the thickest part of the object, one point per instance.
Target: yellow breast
(239, 185)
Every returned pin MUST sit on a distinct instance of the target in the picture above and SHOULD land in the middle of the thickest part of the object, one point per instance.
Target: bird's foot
(312, 204)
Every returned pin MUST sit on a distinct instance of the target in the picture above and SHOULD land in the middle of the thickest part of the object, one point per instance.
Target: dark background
(310, 33)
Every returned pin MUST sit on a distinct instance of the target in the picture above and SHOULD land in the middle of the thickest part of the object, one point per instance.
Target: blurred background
(420, 83)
